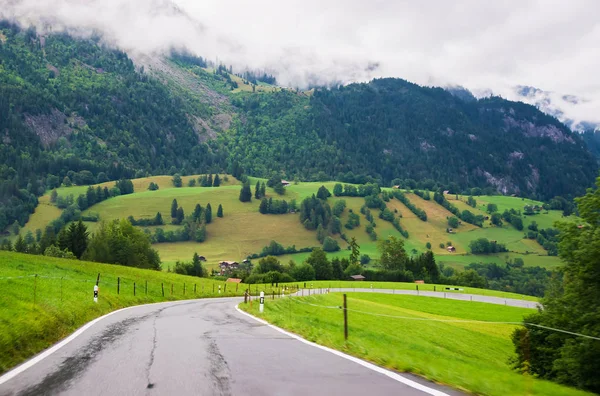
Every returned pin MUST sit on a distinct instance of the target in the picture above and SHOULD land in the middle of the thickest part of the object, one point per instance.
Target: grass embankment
(406, 286)
(468, 356)
(36, 312)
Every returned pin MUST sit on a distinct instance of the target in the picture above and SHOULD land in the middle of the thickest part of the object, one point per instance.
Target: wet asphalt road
(197, 347)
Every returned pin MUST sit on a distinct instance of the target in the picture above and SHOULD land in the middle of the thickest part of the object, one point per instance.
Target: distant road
(198, 347)
(449, 295)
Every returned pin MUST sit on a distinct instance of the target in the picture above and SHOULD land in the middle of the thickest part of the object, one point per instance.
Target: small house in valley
(451, 249)
(228, 266)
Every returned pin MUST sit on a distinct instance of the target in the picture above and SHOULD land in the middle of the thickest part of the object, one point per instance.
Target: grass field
(406, 286)
(470, 356)
(244, 231)
(37, 311)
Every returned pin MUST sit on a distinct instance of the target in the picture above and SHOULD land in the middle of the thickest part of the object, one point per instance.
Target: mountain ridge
(75, 109)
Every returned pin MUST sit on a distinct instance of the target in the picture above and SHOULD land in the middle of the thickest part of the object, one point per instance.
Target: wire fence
(52, 289)
(345, 308)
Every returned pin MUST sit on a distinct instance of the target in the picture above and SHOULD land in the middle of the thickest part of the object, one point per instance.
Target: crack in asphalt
(151, 361)
(75, 365)
(219, 369)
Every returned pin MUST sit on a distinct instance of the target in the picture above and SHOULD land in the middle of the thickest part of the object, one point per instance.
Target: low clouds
(481, 45)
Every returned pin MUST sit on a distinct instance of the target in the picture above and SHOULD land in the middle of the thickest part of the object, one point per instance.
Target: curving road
(198, 347)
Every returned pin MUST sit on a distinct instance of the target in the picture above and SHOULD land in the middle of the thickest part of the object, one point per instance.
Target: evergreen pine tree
(220, 211)
(106, 193)
(20, 245)
(180, 215)
(63, 239)
(29, 238)
(78, 238)
(246, 193)
(174, 209)
(217, 181)
(257, 190)
(323, 193)
(208, 214)
(197, 213)
(99, 194)
(90, 196)
(209, 182)
(263, 190)
(197, 266)
(264, 206)
(158, 220)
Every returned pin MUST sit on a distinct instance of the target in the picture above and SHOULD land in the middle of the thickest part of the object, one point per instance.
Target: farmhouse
(451, 249)
(357, 277)
(285, 183)
(228, 266)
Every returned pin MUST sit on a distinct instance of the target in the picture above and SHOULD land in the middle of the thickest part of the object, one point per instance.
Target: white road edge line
(363, 363)
(38, 358)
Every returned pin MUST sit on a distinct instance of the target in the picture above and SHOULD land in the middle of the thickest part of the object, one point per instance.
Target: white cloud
(548, 44)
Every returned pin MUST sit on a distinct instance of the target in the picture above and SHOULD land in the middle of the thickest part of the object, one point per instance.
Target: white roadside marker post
(261, 307)
(96, 293)
(219, 289)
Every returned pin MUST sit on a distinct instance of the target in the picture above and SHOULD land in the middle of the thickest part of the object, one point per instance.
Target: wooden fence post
(345, 319)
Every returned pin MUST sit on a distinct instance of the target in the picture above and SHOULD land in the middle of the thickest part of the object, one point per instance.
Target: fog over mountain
(479, 45)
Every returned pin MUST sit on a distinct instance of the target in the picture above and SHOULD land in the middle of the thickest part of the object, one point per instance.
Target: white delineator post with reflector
(96, 289)
(261, 307)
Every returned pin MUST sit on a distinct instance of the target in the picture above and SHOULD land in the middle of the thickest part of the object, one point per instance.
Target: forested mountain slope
(71, 108)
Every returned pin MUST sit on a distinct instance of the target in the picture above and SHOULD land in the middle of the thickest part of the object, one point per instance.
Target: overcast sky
(479, 44)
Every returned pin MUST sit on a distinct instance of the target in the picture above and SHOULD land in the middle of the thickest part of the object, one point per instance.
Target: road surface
(197, 347)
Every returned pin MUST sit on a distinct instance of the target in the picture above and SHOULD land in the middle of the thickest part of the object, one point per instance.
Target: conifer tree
(257, 190)
(220, 211)
(264, 206)
(217, 181)
(174, 209)
(20, 245)
(246, 193)
(208, 214)
(197, 212)
(78, 236)
(209, 182)
(263, 190)
(197, 266)
(180, 215)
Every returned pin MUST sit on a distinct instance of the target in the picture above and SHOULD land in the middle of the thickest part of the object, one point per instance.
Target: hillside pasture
(450, 342)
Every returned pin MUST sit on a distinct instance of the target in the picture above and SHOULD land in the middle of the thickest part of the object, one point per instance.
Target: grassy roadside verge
(469, 356)
(406, 286)
(37, 311)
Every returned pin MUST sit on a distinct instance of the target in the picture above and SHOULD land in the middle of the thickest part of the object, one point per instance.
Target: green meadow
(244, 231)
(421, 335)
